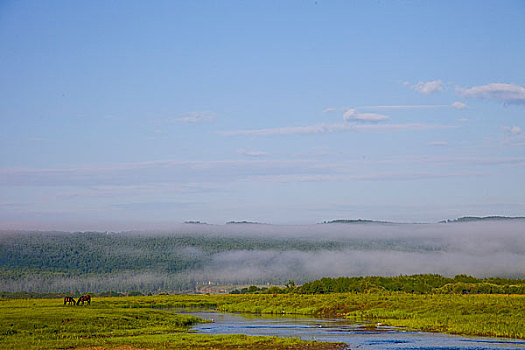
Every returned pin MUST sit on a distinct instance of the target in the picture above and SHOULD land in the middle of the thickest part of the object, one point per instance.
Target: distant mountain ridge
(484, 218)
(461, 219)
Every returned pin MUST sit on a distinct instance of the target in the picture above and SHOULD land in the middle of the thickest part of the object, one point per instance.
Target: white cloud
(253, 153)
(195, 117)
(329, 109)
(507, 93)
(428, 87)
(459, 105)
(352, 114)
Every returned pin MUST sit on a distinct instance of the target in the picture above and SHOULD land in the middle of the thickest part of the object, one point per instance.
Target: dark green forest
(94, 261)
(99, 253)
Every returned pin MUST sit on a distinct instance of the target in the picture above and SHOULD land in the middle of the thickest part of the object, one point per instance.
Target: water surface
(357, 336)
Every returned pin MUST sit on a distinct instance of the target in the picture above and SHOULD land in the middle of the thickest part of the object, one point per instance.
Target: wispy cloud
(182, 176)
(376, 176)
(468, 161)
(513, 135)
(427, 87)
(336, 127)
(196, 117)
(356, 114)
(403, 107)
(290, 130)
(351, 114)
(120, 191)
(458, 105)
(506, 93)
(513, 130)
(252, 153)
(139, 206)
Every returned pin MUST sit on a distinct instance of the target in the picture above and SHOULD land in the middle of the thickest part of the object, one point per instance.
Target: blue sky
(158, 112)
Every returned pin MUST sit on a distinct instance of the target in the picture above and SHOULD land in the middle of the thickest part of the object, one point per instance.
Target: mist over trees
(192, 256)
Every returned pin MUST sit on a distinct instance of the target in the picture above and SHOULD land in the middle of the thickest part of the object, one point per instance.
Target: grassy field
(122, 323)
(140, 322)
(480, 314)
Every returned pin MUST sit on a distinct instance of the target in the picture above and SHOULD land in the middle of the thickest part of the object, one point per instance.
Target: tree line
(416, 284)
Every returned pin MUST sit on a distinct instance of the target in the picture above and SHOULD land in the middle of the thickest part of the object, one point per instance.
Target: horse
(84, 298)
(69, 301)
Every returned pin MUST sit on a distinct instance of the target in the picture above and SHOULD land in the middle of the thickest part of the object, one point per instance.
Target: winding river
(357, 336)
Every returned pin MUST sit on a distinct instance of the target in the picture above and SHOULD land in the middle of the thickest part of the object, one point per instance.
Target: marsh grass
(147, 322)
(480, 314)
(471, 314)
(118, 322)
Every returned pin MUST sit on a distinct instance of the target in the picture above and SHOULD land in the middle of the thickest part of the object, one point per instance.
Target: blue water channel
(357, 336)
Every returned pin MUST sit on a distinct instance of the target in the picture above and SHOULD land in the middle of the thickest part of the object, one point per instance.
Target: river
(357, 336)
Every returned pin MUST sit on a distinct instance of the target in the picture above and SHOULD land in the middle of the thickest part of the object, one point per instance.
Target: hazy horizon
(170, 226)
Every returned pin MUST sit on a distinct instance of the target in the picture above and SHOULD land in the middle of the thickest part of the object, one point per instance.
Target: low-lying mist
(193, 254)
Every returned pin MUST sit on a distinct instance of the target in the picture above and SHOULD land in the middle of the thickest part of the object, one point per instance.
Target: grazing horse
(69, 301)
(84, 298)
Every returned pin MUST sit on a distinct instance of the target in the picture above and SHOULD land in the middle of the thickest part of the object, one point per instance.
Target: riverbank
(480, 315)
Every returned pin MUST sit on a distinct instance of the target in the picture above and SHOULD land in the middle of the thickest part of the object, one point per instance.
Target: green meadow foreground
(143, 322)
(123, 323)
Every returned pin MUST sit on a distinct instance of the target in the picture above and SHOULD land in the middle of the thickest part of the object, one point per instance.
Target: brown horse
(69, 301)
(84, 298)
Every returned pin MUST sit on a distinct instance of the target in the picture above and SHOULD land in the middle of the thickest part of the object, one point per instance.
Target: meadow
(492, 315)
(147, 322)
(122, 323)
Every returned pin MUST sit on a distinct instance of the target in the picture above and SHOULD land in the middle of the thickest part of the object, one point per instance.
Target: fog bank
(196, 254)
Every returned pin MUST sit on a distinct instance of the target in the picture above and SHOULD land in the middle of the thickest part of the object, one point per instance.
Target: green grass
(483, 314)
(117, 322)
(479, 314)
(143, 321)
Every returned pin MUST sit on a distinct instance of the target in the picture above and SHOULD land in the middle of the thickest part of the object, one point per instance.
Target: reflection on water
(357, 336)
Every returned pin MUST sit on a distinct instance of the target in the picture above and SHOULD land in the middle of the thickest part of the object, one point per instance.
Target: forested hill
(196, 256)
(56, 261)
(485, 218)
(94, 252)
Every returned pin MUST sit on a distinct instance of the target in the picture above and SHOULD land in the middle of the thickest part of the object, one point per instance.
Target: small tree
(290, 286)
